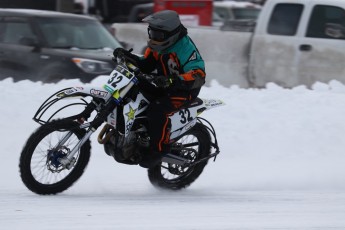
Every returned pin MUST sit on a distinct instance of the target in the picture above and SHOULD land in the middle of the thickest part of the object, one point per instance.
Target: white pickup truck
(294, 42)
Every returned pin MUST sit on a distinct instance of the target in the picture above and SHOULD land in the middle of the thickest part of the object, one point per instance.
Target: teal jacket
(181, 60)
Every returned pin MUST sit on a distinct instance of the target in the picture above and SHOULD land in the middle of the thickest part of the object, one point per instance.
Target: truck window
(327, 22)
(246, 13)
(285, 19)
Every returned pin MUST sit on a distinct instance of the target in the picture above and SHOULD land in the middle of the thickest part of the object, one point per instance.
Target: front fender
(97, 92)
(68, 103)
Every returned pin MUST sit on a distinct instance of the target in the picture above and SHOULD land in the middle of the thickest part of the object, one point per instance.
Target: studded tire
(34, 161)
(158, 175)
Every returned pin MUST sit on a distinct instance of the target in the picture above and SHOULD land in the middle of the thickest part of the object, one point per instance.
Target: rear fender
(186, 118)
(212, 103)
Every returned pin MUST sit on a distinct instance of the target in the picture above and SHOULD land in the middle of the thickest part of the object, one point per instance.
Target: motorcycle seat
(196, 102)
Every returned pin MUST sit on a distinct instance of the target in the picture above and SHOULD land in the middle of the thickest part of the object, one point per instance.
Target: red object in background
(192, 13)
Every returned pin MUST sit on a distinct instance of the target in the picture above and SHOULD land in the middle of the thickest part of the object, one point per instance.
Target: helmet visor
(156, 35)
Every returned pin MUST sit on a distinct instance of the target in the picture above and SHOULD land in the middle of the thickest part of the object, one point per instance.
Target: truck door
(322, 50)
(275, 45)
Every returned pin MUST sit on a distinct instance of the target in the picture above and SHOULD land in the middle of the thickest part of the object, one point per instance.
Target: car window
(285, 19)
(327, 22)
(223, 13)
(246, 13)
(15, 30)
(76, 33)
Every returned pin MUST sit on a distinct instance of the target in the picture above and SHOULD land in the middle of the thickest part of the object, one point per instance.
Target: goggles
(160, 35)
(157, 35)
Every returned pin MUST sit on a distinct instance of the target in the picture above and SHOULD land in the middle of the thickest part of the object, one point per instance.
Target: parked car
(234, 11)
(49, 46)
(140, 11)
(223, 11)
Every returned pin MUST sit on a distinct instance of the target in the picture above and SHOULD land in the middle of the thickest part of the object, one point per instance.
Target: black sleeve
(146, 64)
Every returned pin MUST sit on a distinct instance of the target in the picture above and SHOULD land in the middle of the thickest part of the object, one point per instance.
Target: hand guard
(121, 52)
(163, 81)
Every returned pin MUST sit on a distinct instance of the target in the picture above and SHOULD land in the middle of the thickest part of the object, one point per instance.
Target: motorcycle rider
(179, 74)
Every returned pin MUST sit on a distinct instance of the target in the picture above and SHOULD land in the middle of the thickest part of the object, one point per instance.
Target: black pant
(159, 123)
(164, 102)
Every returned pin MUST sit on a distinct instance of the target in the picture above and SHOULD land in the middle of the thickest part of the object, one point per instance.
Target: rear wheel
(39, 164)
(195, 145)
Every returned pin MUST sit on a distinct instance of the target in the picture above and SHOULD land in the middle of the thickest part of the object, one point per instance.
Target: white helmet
(164, 29)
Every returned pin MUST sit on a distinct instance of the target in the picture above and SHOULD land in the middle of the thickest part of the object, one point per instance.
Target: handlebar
(146, 77)
(120, 58)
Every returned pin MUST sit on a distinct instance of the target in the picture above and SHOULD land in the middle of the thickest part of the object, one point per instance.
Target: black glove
(163, 81)
(122, 52)
(145, 77)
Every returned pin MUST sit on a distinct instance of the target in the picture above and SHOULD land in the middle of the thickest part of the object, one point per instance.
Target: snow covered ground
(281, 167)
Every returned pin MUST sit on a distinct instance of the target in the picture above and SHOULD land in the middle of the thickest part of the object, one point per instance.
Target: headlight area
(92, 66)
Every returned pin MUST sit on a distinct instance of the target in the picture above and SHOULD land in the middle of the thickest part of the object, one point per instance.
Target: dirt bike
(57, 153)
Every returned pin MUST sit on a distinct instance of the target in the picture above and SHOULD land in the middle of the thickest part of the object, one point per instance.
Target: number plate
(119, 78)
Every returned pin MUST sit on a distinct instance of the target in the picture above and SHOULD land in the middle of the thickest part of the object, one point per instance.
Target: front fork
(69, 160)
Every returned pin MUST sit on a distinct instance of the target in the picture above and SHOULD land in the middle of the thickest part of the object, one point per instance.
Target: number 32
(185, 116)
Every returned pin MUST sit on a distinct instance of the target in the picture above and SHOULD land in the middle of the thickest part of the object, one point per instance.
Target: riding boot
(151, 159)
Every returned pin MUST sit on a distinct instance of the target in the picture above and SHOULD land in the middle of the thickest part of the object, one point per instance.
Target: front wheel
(39, 165)
(195, 145)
